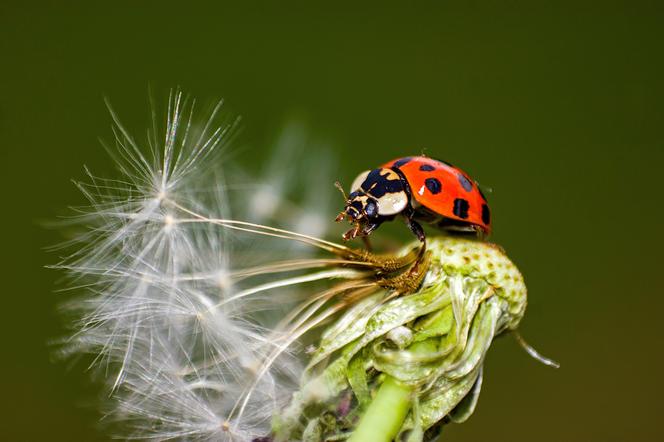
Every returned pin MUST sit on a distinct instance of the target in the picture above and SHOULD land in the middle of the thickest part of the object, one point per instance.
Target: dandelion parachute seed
(197, 348)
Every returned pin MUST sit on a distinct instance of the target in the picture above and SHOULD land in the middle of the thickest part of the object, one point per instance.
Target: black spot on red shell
(486, 214)
(465, 182)
(400, 162)
(460, 208)
(433, 184)
(427, 168)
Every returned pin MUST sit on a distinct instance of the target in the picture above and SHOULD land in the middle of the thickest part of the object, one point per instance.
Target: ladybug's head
(376, 195)
(362, 210)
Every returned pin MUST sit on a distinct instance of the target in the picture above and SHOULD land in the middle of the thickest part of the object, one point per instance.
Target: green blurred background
(557, 106)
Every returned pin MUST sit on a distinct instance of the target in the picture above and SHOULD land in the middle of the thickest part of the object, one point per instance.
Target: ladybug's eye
(357, 184)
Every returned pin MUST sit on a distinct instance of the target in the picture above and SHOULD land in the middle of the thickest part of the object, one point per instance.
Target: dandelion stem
(385, 414)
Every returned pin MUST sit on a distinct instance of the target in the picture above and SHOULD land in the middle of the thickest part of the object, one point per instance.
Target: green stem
(385, 414)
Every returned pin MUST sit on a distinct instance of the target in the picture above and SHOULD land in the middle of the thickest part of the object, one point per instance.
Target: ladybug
(421, 189)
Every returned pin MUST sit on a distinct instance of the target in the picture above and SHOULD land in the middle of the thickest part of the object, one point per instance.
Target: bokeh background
(556, 106)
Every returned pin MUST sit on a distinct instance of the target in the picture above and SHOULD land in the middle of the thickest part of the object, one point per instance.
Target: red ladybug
(422, 190)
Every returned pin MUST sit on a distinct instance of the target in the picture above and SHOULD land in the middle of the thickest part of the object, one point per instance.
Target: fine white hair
(160, 303)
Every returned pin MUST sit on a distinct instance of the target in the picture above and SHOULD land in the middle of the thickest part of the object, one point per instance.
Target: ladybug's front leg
(361, 229)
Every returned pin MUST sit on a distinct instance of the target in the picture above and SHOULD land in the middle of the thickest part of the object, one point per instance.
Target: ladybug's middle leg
(369, 227)
(416, 228)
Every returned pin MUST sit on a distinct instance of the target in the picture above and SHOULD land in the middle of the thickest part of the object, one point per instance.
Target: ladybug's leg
(360, 229)
(352, 233)
(369, 227)
(416, 228)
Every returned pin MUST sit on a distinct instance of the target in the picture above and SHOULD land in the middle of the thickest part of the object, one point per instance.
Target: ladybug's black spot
(401, 162)
(465, 183)
(427, 168)
(433, 185)
(486, 214)
(461, 207)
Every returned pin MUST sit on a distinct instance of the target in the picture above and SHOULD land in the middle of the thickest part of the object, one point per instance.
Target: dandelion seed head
(154, 277)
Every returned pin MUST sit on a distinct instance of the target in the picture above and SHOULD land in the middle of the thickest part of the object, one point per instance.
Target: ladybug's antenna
(337, 184)
(341, 215)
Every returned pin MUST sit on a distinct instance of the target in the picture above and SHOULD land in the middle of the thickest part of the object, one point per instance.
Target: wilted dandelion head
(199, 320)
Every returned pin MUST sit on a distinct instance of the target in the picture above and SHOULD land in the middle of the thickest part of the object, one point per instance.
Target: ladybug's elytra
(422, 190)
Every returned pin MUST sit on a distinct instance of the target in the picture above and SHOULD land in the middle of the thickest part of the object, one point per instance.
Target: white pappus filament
(176, 309)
